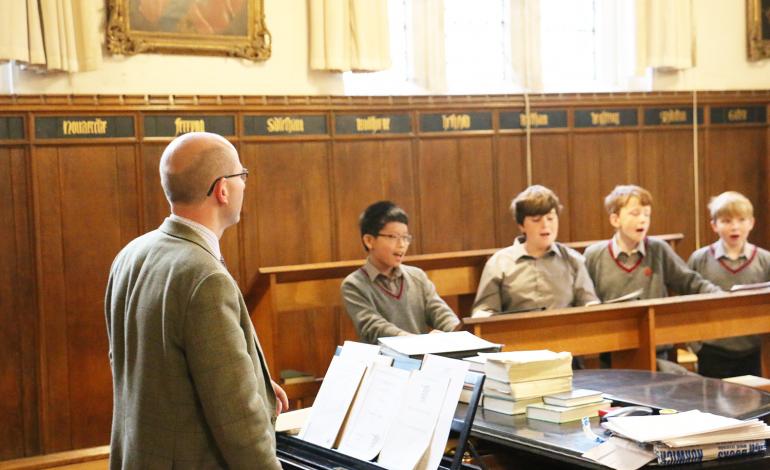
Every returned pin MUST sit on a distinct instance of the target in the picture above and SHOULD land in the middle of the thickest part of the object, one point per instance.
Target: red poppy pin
(648, 271)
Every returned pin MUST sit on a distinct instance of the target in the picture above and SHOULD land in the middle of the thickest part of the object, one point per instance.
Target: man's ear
(368, 241)
(615, 220)
(221, 192)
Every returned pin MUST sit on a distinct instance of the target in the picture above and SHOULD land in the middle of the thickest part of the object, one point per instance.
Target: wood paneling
(735, 161)
(599, 162)
(456, 194)
(364, 172)
(511, 180)
(550, 167)
(666, 170)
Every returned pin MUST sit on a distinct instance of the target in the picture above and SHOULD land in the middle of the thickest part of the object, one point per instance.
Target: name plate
(456, 122)
(285, 125)
(348, 124)
(11, 128)
(670, 116)
(549, 119)
(172, 126)
(605, 117)
(738, 114)
(84, 127)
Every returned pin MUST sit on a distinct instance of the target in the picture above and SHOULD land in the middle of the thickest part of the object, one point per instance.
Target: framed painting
(758, 28)
(210, 27)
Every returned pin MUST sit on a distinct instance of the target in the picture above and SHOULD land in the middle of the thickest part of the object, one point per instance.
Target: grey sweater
(752, 267)
(377, 313)
(659, 270)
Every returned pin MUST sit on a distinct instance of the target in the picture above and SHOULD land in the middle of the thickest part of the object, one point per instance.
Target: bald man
(191, 389)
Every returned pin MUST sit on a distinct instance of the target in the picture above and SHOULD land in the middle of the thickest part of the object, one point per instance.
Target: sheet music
(411, 432)
(333, 401)
(456, 371)
(373, 411)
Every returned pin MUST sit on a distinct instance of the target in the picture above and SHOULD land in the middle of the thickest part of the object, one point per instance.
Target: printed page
(412, 430)
(456, 371)
(362, 351)
(662, 427)
(333, 401)
(373, 411)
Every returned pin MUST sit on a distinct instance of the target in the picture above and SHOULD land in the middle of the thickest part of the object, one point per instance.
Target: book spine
(692, 454)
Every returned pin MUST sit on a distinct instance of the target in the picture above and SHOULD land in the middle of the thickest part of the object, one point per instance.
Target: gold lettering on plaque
(184, 126)
(605, 118)
(671, 116)
(373, 124)
(455, 122)
(84, 127)
(738, 114)
(285, 124)
(533, 119)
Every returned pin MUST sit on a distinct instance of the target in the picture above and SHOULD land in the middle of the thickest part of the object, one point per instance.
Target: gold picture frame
(208, 27)
(758, 28)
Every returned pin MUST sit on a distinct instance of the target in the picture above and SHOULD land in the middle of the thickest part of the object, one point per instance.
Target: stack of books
(692, 436)
(518, 379)
(568, 406)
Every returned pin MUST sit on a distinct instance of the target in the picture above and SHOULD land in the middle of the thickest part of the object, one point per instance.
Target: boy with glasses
(385, 298)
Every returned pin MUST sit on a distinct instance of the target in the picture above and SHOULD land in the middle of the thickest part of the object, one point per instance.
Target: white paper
(435, 343)
(661, 427)
(456, 371)
(292, 421)
(620, 454)
(373, 412)
(361, 351)
(333, 401)
(411, 433)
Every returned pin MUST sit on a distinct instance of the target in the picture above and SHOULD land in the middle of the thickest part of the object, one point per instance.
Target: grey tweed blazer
(191, 389)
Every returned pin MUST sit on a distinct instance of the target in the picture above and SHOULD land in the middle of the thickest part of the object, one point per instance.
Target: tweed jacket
(191, 389)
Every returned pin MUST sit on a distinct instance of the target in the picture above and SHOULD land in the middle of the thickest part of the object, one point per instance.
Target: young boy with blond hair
(536, 271)
(631, 261)
(729, 261)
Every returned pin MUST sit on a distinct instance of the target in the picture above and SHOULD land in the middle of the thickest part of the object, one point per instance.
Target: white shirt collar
(617, 251)
(720, 251)
(208, 235)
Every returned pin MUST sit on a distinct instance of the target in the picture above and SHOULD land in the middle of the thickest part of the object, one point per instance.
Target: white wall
(286, 72)
(721, 62)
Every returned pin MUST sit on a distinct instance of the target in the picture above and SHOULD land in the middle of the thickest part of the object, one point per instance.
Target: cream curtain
(349, 35)
(429, 59)
(665, 35)
(52, 34)
(525, 44)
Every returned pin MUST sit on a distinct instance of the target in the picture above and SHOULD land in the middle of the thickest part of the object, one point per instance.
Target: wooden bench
(93, 458)
(281, 289)
(632, 330)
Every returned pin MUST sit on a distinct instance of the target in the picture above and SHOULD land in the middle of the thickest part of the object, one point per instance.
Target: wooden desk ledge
(91, 458)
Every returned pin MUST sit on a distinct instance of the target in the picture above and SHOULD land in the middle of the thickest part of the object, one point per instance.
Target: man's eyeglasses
(244, 174)
(404, 238)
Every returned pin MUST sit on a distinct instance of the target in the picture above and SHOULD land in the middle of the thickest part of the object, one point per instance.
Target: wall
(721, 63)
(286, 72)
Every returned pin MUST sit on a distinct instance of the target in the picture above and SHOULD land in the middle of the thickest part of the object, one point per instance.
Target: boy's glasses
(404, 238)
(244, 174)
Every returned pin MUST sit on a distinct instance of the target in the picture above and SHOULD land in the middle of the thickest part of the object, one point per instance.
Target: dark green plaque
(174, 125)
(372, 124)
(457, 121)
(538, 119)
(285, 125)
(605, 117)
(84, 127)
(11, 128)
(738, 114)
(671, 116)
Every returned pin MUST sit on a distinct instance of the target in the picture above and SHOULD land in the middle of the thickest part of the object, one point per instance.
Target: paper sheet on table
(620, 454)
(661, 427)
(292, 421)
(456, 371)
(333, 401)
(373, 411)
(411, 432)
